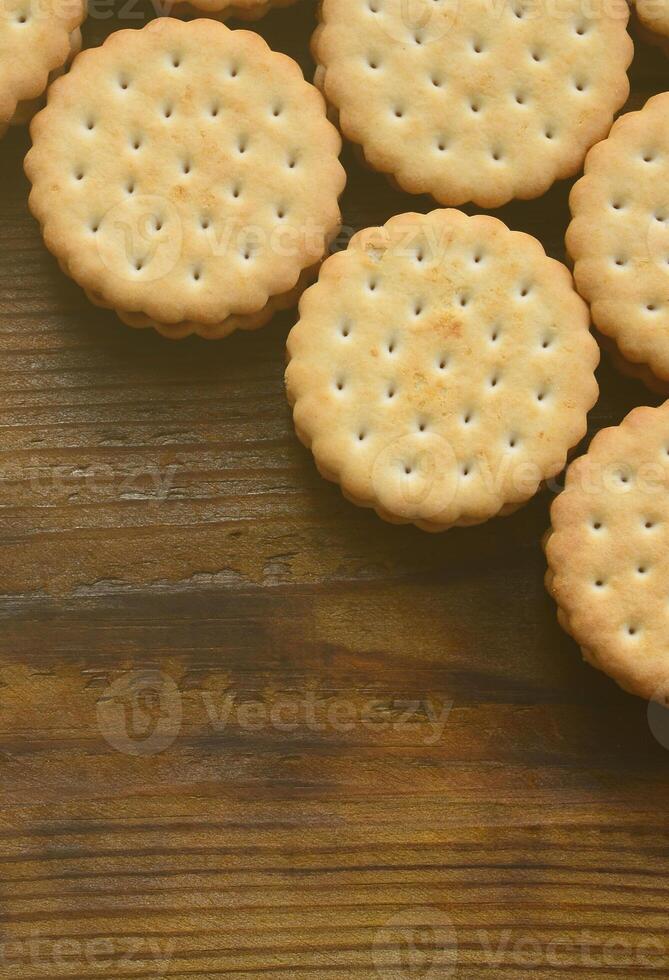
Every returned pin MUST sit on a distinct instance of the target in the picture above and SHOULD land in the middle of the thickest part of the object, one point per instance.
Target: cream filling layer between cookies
(249, 321)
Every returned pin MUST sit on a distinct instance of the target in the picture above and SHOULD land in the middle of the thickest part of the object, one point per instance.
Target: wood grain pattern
(249, 730)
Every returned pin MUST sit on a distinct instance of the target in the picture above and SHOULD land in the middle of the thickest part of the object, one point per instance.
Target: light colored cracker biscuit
(608, 552)
(619, 236)
(37, 38)
(185, 174)
(441, 369)
(474, 101)
(27, 109)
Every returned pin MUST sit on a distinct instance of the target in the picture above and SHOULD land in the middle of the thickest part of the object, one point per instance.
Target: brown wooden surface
(157, 513)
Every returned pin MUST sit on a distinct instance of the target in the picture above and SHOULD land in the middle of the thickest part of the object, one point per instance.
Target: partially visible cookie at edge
(608, 552)
(618, 238)
(441, 369)
(37, 40)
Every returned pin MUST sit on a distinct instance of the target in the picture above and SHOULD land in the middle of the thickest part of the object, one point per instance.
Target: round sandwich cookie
(37, 40)
(474, 101)
(441, 369)
(187, 177)
(619, 240)
(608, 552)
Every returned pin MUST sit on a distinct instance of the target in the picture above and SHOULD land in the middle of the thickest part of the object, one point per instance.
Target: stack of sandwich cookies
(441, 369)
(37, 40)
(608, 552)
(619, 240)
(472, 101)
(187, 177)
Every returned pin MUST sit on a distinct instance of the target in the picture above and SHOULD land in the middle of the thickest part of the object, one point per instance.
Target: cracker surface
(608, 552)
(619, 235)
(441, 369)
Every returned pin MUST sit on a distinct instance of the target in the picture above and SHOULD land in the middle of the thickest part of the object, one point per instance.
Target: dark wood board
(250, 730)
